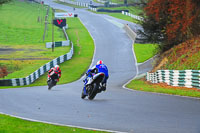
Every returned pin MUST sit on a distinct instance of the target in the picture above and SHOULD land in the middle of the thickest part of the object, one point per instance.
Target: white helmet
(57, 67)
(99, 62)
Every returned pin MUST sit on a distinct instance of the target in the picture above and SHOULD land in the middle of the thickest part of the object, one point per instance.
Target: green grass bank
(144, 52)
(143, 85)
(29, 56)
(34, 48)
(21, 38)
(181, 57)
(11, 124)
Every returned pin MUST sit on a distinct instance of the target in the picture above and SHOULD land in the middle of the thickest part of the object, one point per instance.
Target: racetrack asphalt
(117, 109)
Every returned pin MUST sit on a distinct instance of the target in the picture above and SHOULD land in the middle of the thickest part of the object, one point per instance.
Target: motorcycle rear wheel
(93, 92)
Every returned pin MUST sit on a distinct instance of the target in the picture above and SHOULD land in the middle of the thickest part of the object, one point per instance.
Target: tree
(4, 1)
(173, 21)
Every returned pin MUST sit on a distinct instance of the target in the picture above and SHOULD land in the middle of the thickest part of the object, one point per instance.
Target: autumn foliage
(3, 72)
(176, 20)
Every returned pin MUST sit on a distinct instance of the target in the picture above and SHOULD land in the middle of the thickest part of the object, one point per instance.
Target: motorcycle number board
(63, 14)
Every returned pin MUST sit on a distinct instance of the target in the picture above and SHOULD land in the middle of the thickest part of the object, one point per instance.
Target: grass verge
(71, 70)
(67, 4)
(142, 85)
(119, 16)
(132, 9)
(144, 52)
(21, 38)
(17, 61)
(83, 52)
(22, 126)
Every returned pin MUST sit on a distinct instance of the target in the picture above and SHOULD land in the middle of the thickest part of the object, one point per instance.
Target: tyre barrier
(38, 73)
(133, 16)
(183, 78)
(35, 75)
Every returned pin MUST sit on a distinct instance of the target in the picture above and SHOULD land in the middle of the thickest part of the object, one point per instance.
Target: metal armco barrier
(184, 78)
(130, 32)
(133, 16)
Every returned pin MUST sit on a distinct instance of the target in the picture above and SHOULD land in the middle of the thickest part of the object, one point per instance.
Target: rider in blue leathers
(100, 67)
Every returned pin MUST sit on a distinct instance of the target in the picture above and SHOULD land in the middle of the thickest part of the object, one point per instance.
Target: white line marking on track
(57, 124)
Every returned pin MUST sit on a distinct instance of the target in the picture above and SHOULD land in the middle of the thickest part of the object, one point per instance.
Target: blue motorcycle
(92, 85)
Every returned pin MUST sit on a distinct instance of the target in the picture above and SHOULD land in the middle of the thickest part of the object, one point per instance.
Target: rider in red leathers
(57, 72)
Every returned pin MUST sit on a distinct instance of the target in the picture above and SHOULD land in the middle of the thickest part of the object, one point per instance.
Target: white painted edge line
(87, 128)
(146, 60)
(57, 124)
(94, 50)
(136, 70)
(124, 86)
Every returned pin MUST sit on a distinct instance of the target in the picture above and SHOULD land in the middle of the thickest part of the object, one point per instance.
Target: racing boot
(103, 88)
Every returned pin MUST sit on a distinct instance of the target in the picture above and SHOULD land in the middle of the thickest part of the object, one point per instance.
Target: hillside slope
(181, 57)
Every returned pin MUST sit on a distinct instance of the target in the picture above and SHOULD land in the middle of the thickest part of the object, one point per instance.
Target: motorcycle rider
(99, 67)
(57, 71)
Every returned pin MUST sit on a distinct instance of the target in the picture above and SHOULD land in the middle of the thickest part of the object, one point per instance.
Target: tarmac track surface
(117, 109)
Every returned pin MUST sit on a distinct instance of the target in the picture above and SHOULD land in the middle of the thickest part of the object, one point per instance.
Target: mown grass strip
(67, 4)
(71, 70)
(22, 33)
(10, 124)
(144, 52)
(19, 24)
(141, 85)
(83, 52)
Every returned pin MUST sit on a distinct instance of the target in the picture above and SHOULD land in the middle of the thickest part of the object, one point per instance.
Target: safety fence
(35, 75)
(92, 9)
(104, 1)
(58, 44)
(82, 4)
(39, 72)
(130, 32)
(133, 16)
(184, 78)
(69, 2)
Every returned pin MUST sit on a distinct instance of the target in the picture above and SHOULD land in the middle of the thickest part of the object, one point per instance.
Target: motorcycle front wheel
(83, 95)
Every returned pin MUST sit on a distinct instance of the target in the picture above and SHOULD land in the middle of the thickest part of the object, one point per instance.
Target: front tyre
(83, 95)
(49, 84)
